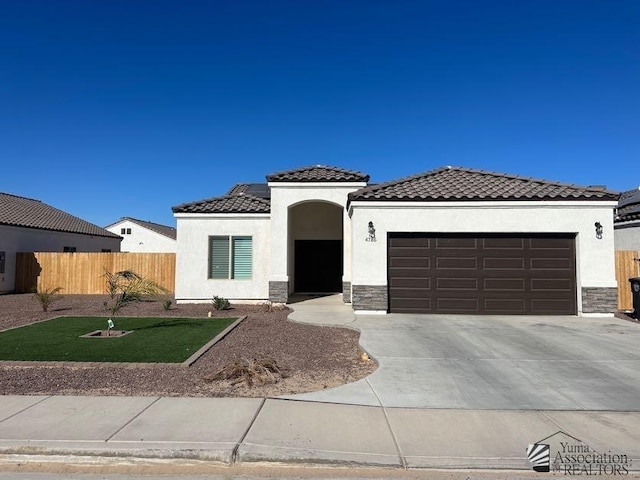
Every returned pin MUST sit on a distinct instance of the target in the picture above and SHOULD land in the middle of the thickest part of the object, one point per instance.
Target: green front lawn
(154, 340)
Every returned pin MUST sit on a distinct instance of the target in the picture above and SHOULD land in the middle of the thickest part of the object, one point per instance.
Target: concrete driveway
(487, 362)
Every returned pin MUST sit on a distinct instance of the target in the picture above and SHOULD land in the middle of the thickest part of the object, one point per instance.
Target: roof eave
(30, 227)
(353, 198)
(221, 214)
(478, 201)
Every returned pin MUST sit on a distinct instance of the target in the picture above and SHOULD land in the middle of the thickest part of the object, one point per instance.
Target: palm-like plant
(47, 296)
(127, 287)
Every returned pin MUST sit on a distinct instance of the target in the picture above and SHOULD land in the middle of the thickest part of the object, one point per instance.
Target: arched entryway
(316, 247)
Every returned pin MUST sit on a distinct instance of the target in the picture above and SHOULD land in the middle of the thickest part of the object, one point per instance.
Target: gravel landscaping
(312, 357)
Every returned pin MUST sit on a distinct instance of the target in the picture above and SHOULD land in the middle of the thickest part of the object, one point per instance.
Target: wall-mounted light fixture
(598, 226)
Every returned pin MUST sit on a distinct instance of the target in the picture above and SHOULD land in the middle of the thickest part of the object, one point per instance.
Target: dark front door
(318, 267)
(490, 274)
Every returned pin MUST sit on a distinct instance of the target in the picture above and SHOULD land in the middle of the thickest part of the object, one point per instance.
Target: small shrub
(270, 306)
(261, 372)
(220, 303)
(166, 304)
(47, 296)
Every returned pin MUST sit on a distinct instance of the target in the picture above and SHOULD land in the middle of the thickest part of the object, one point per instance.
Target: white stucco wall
(19, 239)
(192, 257)
(285, 195)
(141, 239)
(627, 237)
(595, 260)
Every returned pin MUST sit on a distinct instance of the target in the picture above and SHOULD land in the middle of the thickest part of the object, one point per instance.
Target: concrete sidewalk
(244, 431)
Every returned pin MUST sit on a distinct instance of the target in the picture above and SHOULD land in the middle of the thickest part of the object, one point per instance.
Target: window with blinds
(230, 257)
(241, 258)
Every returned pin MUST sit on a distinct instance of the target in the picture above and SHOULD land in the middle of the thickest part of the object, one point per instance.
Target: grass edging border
(187, 363)
(191, 360)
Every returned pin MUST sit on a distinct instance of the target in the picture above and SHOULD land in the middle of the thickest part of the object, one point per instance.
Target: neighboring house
(627, 221)
(28, 225)
(141, 236)
(451, 240)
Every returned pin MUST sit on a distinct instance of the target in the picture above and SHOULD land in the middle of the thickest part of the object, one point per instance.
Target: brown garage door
(479, 273)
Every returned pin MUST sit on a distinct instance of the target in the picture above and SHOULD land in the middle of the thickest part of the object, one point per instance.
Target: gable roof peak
(165, 230)
(318, 173)
(237, 203)
(467, 184)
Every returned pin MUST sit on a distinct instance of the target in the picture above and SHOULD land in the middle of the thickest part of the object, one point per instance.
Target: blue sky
(127, 108)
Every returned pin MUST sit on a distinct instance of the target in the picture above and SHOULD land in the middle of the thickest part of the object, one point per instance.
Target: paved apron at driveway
(488, 362)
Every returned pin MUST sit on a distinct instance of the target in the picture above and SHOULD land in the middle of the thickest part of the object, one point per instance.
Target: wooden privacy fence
(82, 273)
(626, 268)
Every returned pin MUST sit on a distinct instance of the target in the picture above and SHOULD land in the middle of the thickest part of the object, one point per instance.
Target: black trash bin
(635, 294)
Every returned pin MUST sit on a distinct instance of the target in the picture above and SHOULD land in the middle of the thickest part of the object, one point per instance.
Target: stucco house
(144, 237)
(28, 225)
(627, 221)
(451, 240)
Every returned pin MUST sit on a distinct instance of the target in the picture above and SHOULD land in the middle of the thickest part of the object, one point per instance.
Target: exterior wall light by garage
(598, 226)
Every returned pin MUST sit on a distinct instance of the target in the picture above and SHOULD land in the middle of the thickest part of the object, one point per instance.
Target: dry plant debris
(251, 372)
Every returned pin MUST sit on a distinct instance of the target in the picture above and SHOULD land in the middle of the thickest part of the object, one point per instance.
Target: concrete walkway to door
(486, 362)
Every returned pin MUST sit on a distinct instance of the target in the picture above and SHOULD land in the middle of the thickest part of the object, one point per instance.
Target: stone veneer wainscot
(279, 292)
(370, 297)
(599, 299)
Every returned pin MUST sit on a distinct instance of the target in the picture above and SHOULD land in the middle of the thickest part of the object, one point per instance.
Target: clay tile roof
(628, 206)
(463, 184)
(239, 203)
(318, 173)
(154, 227)
(30, 213)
